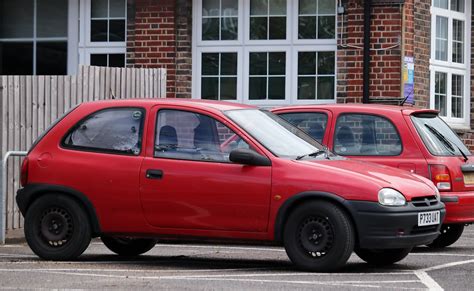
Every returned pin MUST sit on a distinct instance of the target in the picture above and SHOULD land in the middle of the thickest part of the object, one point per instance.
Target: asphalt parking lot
(229, 267)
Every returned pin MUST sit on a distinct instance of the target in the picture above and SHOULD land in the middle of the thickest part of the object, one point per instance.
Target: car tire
(128, 246)
(450, 233)
(318, 236)
(383, 257)
(57, 228)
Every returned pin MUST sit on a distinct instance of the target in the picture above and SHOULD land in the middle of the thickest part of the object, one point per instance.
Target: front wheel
(450, 233)
(318, 236)
(57, 227)
(128, 246)
(383, 257)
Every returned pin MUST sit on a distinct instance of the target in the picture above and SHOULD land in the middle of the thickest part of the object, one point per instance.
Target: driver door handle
(154, 174)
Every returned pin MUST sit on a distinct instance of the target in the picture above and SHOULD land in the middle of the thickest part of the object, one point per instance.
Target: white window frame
(243, 45)
(450, 67)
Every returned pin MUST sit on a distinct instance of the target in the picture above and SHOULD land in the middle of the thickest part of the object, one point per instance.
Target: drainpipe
(366, 72)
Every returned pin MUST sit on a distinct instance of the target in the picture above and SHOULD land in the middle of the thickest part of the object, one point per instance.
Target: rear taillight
(24, 173)
(441, 177)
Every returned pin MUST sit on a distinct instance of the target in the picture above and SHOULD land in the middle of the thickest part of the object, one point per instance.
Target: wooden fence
(29, 104)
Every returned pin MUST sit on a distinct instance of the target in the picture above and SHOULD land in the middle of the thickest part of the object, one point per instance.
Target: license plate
(468, 178)
(428, 218)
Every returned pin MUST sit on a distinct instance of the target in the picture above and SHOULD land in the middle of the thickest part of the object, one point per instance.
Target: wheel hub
(56, 227)
(316, 236)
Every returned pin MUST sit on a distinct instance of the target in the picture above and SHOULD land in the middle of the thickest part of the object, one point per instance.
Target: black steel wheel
(450, 233)
(57, 227)
(125, 246)
(318, 236)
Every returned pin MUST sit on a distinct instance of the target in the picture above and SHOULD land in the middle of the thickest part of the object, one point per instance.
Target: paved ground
(222, 267)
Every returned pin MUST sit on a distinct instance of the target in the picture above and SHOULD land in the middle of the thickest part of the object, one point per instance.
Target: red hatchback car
(417, 140)
(134, 171)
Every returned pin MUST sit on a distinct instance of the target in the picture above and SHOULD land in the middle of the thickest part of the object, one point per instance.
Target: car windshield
(274, 133)
(438, 137)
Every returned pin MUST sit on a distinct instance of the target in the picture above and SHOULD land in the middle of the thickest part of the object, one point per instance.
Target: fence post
(3, 184)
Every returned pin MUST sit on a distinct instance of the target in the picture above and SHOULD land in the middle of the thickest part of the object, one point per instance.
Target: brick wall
(422, 43)
(184, 25)
(385, 72)
(151, 38)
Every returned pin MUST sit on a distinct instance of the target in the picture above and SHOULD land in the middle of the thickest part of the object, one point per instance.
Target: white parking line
(428, 281)
(448, 265)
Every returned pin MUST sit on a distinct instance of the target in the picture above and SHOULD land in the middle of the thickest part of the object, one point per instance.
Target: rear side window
(366, 135)
(116, 130)
(192, 136)
(313, 123)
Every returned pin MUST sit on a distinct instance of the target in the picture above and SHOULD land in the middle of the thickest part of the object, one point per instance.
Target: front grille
(424, 201)
(424, 229)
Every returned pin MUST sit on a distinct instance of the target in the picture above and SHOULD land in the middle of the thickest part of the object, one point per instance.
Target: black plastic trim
(30, 192)
(449, 199)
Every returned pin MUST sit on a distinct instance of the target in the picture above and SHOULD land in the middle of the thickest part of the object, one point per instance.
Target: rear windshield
(438, 137)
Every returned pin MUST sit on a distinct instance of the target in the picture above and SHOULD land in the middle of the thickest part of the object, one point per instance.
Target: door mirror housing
(249, 157)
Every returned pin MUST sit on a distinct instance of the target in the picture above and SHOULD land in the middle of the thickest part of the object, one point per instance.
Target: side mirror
(248, 157)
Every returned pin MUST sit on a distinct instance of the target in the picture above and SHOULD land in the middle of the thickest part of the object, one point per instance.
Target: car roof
(358, 107)
(191, 103)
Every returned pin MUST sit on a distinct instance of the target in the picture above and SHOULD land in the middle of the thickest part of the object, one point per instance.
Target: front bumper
(459, 206)
(383, 227)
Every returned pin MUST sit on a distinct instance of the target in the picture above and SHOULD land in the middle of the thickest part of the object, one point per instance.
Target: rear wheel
(128, 246)
(57, 228)
(450, 233)
(318, 236)
(382, 257)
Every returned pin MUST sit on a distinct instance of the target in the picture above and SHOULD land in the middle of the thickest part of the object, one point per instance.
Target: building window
(103, 33)
(33, 37)
(450, 68)
(271, 42)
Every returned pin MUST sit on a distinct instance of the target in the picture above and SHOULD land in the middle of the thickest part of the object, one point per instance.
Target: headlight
(391, 197)
(437, 194)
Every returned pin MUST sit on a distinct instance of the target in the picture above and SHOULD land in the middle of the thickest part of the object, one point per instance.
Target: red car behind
(416, 140)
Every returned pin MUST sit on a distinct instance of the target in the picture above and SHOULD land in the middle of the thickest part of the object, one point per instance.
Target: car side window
(192, 136)
(366, 135)
(313, 123)
(116, 130)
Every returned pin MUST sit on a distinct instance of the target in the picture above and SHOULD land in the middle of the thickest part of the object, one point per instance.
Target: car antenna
(406, 98)
(112, 94)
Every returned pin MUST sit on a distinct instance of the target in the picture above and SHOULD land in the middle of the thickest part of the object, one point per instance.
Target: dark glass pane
(11, 12)
(16, 58)
(229, 64)
(52, 18)
(230, 8)
(307, 27)
(306, 63)
(277, 28)
(278, 7)
(210, 28)
(210, 7)
(277, 63)
(210, 64)
(325, 87)
(229, 28)
(99, 60)
(258, 64)
(117, 60)
(229, 88)
(326, 63)
(99, 8)
(99, 30)
(209, 88)
(117, 30)
(307, 6)
(276, 88)
(326, 6)
(306, 88)
(51, 58)
(258, 7)
(257, 88)
(258, 27)
(117, 8)
(326, 27)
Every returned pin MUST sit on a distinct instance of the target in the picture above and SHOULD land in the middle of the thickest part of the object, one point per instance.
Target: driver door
(188, 182)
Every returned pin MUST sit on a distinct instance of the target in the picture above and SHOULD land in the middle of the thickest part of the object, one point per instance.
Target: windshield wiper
(315, 154)
(446, 142)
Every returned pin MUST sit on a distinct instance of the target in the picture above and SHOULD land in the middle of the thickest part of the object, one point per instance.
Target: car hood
(357, 173)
